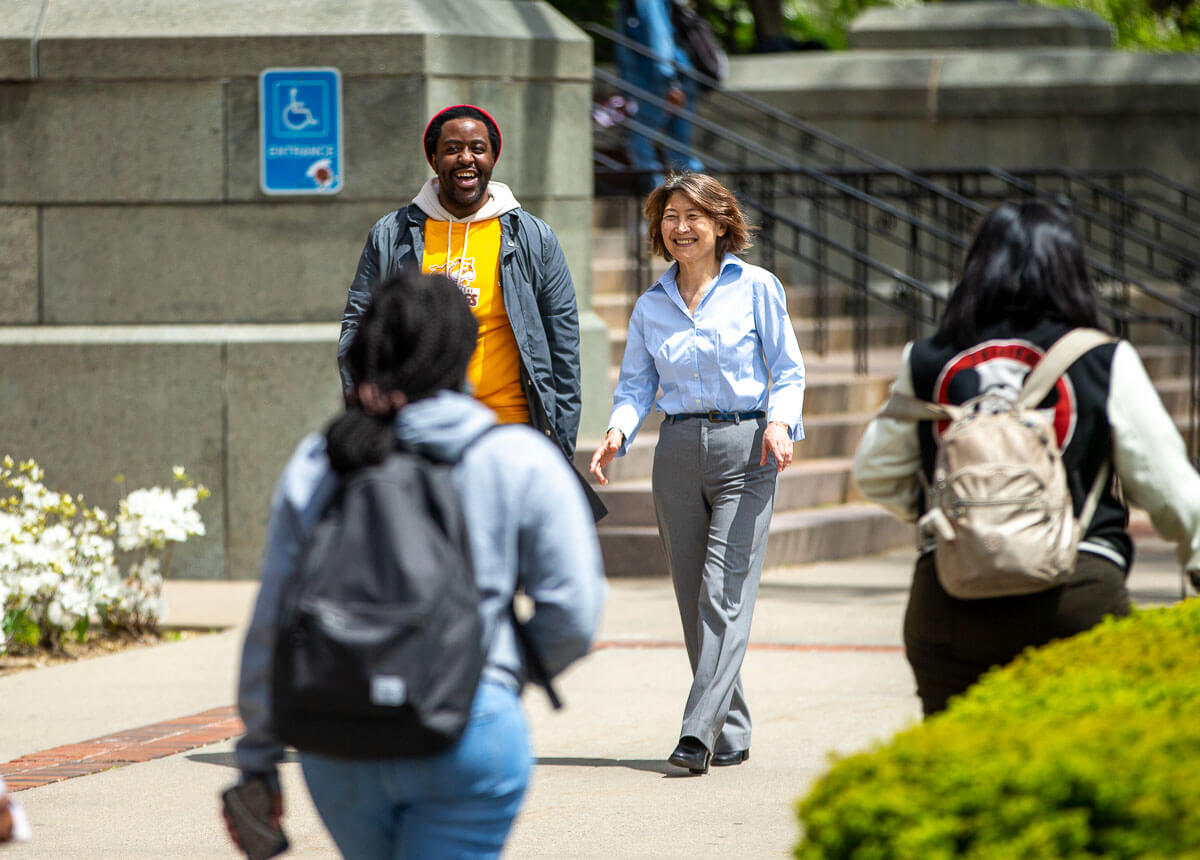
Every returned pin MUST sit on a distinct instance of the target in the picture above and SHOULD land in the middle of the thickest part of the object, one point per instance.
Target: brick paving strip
(171, 737)
(121, 748)
(754, 646)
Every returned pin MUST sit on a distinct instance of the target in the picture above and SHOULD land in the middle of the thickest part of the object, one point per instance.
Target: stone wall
(156, 308)
(991, 83)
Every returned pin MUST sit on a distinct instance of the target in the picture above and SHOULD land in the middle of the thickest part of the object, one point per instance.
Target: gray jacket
(529, 530)
(539, 296)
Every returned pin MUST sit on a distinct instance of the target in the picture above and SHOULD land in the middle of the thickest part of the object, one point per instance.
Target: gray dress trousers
(714, 502)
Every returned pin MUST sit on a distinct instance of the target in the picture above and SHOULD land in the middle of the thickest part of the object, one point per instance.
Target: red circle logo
(1000, 367)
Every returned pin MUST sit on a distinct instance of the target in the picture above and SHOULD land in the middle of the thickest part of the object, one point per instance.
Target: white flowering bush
(66, 568)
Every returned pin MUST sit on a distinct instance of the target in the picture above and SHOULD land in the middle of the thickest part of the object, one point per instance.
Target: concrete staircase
(818, 515)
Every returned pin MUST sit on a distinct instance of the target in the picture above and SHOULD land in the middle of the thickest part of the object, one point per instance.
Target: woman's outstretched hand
(777, 440)
(605, 453)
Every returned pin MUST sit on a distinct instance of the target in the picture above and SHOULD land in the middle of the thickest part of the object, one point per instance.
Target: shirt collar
(728, 262)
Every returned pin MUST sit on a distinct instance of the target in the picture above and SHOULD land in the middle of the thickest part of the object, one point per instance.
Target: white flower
(58, 561)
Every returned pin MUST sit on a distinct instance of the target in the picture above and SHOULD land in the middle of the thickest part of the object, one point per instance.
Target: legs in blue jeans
(458, 804)
(644, 152)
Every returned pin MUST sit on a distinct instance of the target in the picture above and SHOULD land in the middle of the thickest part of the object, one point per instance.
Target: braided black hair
(416, 337)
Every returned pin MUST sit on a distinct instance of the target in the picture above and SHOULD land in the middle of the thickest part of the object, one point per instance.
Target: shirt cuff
(625, 419)
(795, 429)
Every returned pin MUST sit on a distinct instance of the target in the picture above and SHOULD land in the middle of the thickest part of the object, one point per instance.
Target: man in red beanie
(505, 261)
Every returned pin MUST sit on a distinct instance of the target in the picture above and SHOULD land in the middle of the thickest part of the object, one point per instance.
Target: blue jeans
(458, 804)
(643, 152)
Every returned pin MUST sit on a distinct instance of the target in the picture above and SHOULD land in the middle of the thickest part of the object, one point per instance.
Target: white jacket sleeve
(888, 461)
(1150, 458)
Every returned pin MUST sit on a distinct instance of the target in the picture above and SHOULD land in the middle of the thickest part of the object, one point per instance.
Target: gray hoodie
(530, 529)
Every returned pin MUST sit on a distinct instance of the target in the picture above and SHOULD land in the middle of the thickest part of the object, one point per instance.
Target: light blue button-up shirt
(725, 357)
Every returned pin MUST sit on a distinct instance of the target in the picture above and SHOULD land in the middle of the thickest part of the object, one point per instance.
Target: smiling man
(507, 263)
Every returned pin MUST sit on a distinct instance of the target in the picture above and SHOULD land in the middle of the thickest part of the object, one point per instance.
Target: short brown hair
(708, 195)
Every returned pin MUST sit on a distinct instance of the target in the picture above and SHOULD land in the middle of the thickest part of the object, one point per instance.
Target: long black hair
(416, 337)
(1026, 264)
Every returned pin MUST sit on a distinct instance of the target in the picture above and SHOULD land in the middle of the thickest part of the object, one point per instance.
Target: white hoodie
(500, 200)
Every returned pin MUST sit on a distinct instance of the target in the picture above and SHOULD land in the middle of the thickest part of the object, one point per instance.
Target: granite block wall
(156, 308)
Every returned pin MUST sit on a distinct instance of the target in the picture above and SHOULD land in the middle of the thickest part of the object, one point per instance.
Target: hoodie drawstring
(450, 252)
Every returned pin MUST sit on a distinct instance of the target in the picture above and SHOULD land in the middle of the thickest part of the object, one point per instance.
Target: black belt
(735, 417)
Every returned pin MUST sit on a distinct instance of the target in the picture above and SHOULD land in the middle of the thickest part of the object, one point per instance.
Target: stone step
(835, 435)
(839, 334)
(796, 537)
(822, 396)
(613, 308)
(804, 484)
(1164, 361)
(611, 213)
(610, 243)
(1175, 394)
(614, 303)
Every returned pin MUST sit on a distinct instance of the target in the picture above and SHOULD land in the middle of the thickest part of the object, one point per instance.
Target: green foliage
(1084, 748)
(1139, 25)
(1146, 25)
(828, 21)
(17, 627)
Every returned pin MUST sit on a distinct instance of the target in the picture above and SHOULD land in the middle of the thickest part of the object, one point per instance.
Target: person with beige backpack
(1001, 439)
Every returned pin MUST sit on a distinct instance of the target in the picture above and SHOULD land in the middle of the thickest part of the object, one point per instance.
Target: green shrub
(1146, 25)
(1088, 747)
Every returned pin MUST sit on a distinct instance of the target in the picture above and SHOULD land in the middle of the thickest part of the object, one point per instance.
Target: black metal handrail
(780, 167)
(953, 210)
(770, 118)
(1183, 199)
(1108, 185)
(1113, 234)
(934, 216)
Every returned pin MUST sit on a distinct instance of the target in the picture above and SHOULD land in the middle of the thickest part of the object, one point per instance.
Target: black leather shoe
(732, 757)
(692, 754)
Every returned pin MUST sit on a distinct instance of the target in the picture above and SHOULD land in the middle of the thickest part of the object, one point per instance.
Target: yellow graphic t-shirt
(469, 255)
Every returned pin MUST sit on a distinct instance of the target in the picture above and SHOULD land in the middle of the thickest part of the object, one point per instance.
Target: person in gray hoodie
(529, 530)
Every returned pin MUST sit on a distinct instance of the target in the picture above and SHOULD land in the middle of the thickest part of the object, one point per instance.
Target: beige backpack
(999, 508)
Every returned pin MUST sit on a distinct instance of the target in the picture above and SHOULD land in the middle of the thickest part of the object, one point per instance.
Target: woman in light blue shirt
(713, 333)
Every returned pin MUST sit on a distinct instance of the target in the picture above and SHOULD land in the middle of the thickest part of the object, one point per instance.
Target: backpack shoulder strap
(1068, 349)
(905, 407)
(1065, 351)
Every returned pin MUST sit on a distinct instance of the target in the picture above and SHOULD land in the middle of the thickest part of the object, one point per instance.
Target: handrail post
(1194, 384)
(914, 269)
(821, 272)
(637, 248)
(860, 284)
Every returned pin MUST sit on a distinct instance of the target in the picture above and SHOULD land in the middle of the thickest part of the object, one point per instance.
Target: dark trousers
(950, 642)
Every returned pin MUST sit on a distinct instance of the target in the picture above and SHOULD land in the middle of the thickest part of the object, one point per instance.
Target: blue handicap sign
(300, 124)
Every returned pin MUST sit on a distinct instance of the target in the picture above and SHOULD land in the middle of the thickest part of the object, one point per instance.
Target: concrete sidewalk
(825, 673)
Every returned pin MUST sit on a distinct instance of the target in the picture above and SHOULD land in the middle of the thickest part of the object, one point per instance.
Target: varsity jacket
(1104, 409)
(539, 297)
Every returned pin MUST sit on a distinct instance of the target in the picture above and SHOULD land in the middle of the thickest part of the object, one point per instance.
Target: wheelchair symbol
(296, 114)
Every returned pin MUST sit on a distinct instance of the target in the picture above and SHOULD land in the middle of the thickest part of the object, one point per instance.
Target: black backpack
(378, 652)
(699, 42)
